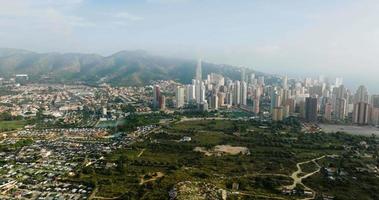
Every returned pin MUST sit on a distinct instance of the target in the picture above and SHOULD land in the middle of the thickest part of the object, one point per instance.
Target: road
(297, 180)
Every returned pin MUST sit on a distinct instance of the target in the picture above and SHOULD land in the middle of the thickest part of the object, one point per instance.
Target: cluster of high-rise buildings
(310, 99)
(217, 91)
(159, 100)
(319, 99)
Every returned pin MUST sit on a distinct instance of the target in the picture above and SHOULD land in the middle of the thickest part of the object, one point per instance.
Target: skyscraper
(221, 98)
(237, 93)
(156, 96)
(277, 114)
(199, 71)
(285, 82)
(199, 85)
(361, 113)
(243, 93)
(275, 100)
(179, 96)
(256, 104)
(361, 95)
(375, 101)
(162, 102)
(214, 102)
(190, 93)
(340, 109)
(311, 109)
(328, 111)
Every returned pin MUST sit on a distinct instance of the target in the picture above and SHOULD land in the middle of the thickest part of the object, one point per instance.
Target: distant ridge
(132, 68)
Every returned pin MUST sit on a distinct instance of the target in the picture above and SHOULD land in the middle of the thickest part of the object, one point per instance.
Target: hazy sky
(304, 37)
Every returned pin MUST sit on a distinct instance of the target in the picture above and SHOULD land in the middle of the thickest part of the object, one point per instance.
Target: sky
(337, 38)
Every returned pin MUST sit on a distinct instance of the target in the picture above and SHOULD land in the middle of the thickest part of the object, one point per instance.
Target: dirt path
(297, 180)
(158, 175)
(140, 154)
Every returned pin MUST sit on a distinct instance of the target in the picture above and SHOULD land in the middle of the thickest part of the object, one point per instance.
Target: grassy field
(106, 124)
(274, 153)
(11, 125)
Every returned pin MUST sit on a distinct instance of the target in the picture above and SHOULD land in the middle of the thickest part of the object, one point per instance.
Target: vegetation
(274, 151)
(122, 68)
(12, 125)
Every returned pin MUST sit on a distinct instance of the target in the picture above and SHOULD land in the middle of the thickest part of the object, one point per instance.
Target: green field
(107, 124)
(11, 125)
(274, 151)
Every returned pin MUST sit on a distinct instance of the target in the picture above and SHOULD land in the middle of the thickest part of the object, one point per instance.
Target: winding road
(297, 180)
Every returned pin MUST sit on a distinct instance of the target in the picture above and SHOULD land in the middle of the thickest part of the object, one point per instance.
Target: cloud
(127, 16)
(41, 13)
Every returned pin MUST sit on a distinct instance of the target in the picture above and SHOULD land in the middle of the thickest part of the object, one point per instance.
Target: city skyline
(335, 38)
(189, 99)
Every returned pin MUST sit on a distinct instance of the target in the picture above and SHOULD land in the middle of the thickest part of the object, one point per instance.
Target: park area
(234, 158)
(11, 125)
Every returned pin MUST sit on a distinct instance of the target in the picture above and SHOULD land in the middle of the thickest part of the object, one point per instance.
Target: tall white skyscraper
(190, 92)
(243, 88)
(285, 82)
(199, 71)
(199, 85)
(243, 93)
(252, 78)
(243, 75)
(202, 92)
(237, 93)
(179, 96)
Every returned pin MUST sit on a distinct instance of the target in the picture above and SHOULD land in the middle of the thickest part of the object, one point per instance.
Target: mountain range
(133, 68)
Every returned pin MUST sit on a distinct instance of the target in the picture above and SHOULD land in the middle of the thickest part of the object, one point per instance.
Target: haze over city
(189, 99)
(301, 38)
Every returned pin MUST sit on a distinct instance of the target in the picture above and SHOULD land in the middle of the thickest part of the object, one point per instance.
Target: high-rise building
(213, 102)
(229, 98)
(156, 96)
(162, 102)
(311, 109)
(256, 104)
(340, 109)
(275, 100)
(243, 93)
(179, 96)
(243, 75)
(216, 79)
(199, 91)
(221, 98)
(202, 92)
(328, 111)
(375, 116)
(361, 113)
(199, 71)
(190, 93)
(252, 78)
(292, 105)
(199, 85)
(361, 95)
(237, 93)
(277, 114)
(285, 82)
(286, 111)
(375, 101)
